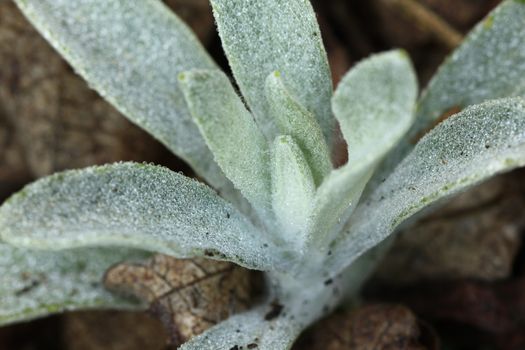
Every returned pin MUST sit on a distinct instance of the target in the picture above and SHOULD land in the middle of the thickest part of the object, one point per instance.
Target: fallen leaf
(55, 120)
(188, 295)
(371, 327)
(110, 330)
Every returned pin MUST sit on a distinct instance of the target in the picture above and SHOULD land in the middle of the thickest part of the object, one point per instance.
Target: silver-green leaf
(489, 64)
(293, 189)
(246, 331)
(374, 104)
(263, 36)
(333, 204)
(262, 328)
(239, 147)
(293, 119)
(131, 52)
(35, 284)
(134, 205)
(467, 148)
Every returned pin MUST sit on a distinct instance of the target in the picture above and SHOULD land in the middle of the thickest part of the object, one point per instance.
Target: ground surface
(458, 284)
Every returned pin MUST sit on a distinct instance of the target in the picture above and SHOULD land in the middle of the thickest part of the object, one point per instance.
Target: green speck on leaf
(511, 162)
(81, 265)
(22, 194)
(404, 54)
(58, 177)
(489, 21)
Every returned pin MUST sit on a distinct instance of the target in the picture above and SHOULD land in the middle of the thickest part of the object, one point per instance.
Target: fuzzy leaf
(263, 36)
(248, 331)
(489, 64)
(293, 119)
(35, 284)
(292, 188)
(131, 52)
(334, 202)
(374, 105)
(238, 145)
(276, 324)
(475, 144)
(133, 205)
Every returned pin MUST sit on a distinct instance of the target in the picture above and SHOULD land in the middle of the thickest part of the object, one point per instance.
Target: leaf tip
(403, 54)
(489, 21)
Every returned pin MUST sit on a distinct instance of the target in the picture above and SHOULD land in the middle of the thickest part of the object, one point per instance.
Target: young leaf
(133, 205)
(238, 145)
(489, 64)
(374, 105)
(262, 36)
(294, 120)
(292, 188)
(334, 202)
(131, 52)
(35, 284)
(475, 144)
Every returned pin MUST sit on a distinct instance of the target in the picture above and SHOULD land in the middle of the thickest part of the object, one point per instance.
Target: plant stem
(427, 19)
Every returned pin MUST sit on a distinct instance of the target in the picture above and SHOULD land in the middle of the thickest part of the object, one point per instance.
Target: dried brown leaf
(56, 120)
(189, 295)
(372, 327)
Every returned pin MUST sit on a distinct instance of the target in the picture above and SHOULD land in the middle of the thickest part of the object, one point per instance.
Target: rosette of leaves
(278, 206)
